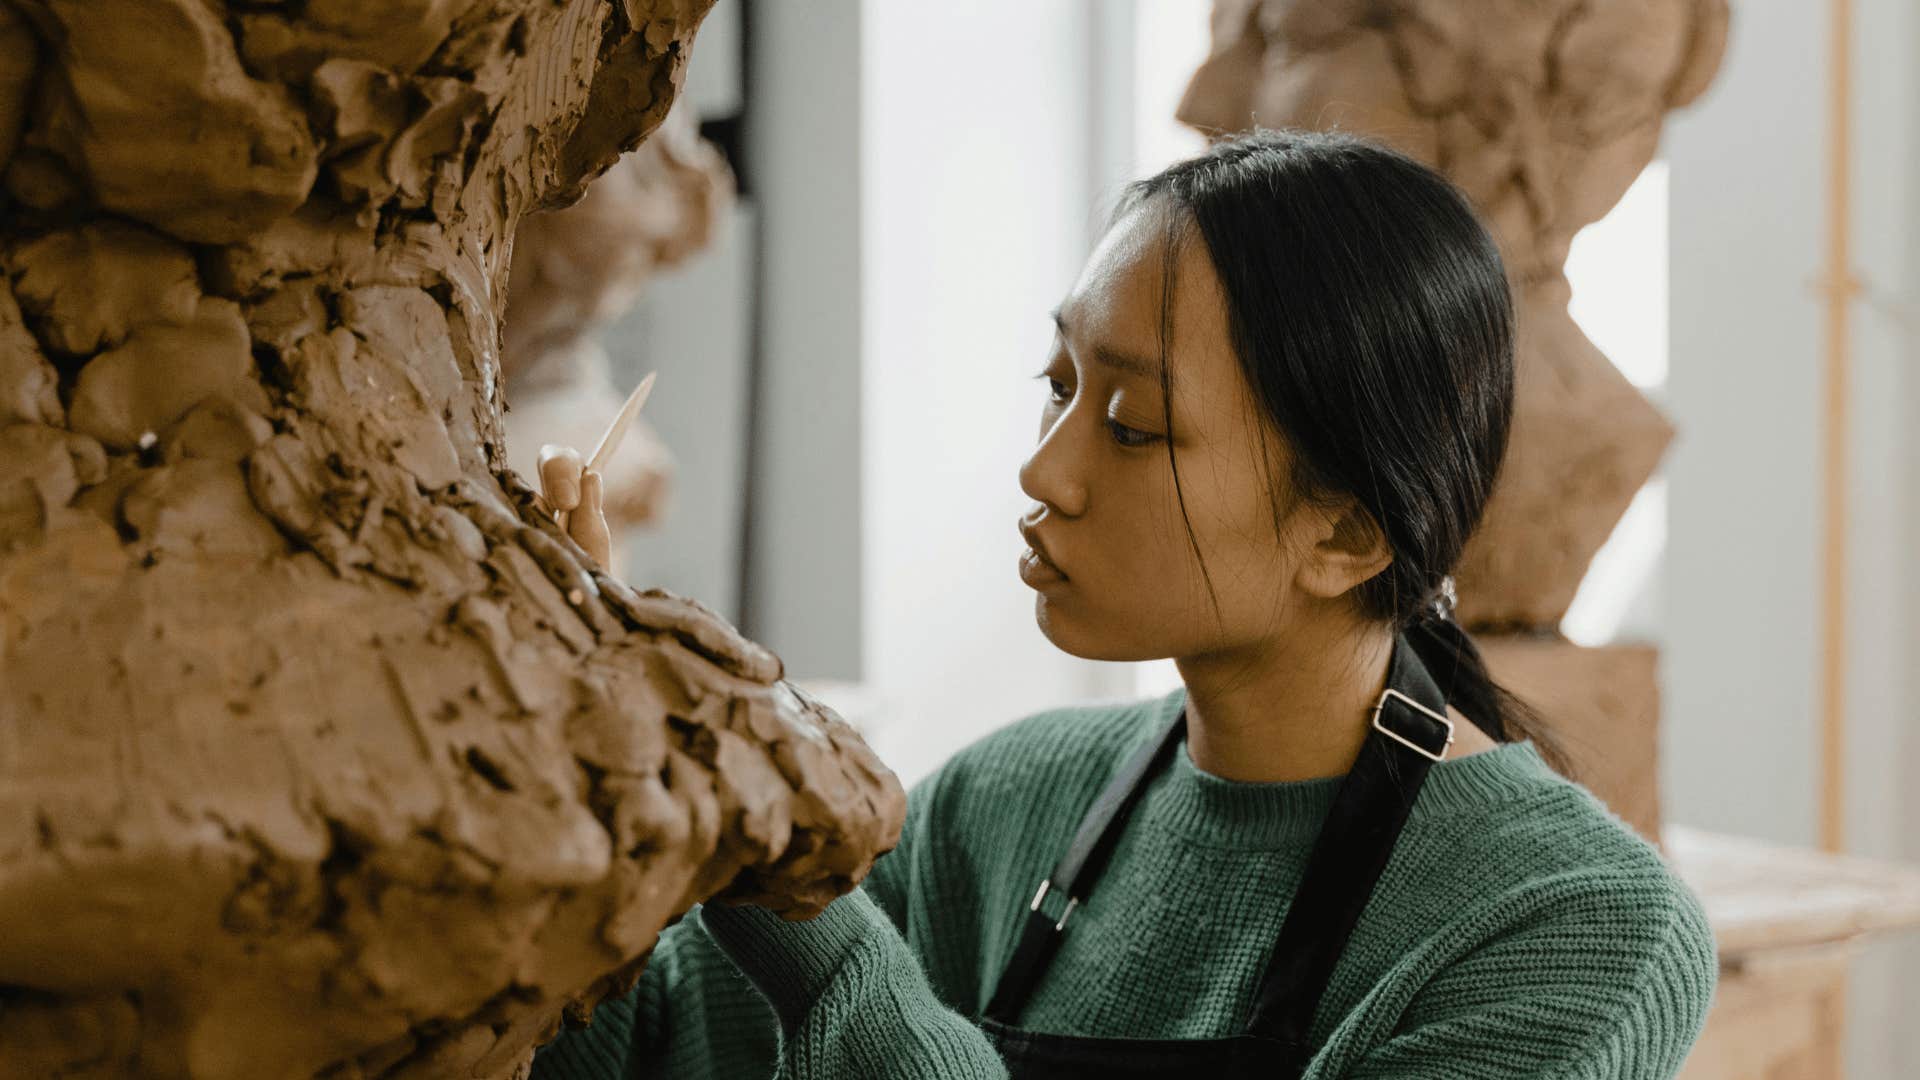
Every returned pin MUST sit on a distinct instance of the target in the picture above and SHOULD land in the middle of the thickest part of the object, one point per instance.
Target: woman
(1277, 401)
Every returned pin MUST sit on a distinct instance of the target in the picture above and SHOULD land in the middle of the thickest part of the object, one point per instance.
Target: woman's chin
(1076, 638)
(1057, 628)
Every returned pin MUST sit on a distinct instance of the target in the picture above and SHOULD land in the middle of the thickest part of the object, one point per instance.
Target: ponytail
(1455, 663)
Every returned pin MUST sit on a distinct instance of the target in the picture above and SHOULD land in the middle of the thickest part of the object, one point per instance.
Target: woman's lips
(1036, 566)
(1036, 571)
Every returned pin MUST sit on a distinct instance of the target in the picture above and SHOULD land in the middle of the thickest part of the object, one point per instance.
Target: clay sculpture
(322, 751)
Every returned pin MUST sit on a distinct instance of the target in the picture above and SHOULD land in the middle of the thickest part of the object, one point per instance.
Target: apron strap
(1410, 732)
(1086, 856)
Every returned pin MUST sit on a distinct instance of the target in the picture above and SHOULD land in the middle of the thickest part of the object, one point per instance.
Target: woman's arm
(595, 1052)
(850, 995)
(691, 1016)
(858, 1002)
(1611, 988)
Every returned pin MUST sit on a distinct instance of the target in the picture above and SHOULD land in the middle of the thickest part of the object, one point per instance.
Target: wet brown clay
(321, 750)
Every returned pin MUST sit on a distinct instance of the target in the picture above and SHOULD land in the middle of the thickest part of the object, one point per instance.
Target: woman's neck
(1293, 709)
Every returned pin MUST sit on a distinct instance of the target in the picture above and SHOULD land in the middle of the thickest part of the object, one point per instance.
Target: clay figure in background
(322, 749)
(575, 271)
(1543, 112)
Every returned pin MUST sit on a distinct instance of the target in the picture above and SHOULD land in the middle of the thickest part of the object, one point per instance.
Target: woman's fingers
(560, 468)
(577, 495)
(588, 523)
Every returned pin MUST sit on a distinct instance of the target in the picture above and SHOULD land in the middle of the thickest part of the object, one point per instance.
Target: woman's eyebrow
(1120, 361)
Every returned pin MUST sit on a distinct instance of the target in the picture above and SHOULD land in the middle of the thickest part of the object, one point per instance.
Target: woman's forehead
(1117, 302)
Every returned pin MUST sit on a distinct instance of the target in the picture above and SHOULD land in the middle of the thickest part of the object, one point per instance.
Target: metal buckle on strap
(1045, 884)
(1380, 707)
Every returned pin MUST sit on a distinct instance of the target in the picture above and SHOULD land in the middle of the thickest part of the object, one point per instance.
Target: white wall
(1742, 615)
(1745, 185)
(977, 202)
(803, 143)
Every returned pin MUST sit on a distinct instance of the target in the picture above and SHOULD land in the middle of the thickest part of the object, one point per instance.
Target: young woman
(1276, 405)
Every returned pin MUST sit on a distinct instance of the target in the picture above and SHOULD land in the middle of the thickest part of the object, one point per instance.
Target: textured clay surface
(1543, 112)
(322, 752)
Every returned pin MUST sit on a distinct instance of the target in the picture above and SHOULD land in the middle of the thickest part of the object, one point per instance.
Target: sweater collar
(1234, 814)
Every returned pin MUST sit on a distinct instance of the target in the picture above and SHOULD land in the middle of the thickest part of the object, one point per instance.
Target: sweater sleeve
(691, 1016)
(850, 994)
(595, 1052)
(1612, 988)
(694, 1014)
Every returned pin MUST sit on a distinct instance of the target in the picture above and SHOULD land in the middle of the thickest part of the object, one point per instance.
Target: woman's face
(1125, 582)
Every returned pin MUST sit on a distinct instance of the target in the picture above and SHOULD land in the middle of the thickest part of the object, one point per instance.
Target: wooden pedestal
(1602, 708)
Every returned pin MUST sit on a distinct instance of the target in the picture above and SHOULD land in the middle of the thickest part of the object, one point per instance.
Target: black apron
(1409, 733)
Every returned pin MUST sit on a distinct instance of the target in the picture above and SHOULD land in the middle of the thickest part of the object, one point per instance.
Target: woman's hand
(576, 495)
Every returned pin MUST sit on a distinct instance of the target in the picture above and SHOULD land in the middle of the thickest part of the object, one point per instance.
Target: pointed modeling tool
(617, 430)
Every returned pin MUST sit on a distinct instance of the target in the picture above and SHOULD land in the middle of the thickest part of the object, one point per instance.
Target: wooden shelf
(1762, 896)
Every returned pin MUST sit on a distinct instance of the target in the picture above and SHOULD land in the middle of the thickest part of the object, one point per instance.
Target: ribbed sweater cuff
(792, 963)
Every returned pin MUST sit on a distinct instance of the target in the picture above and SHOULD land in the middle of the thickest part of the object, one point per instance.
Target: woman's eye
(1058, 391)
(1127, 436)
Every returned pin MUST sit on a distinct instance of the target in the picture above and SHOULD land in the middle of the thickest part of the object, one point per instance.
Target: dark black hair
(1372, 317)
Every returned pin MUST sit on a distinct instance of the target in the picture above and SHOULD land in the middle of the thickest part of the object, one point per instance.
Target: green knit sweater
(1520, 930)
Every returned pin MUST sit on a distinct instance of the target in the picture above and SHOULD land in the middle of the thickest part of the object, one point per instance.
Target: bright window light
(1170, 39)
(1618, 270)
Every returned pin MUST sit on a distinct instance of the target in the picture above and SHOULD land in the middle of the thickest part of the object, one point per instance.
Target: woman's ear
(1343, 546)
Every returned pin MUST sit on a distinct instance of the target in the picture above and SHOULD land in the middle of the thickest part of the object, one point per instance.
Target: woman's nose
(1051, 475)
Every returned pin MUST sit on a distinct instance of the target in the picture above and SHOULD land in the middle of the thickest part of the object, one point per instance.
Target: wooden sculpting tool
(617, 430)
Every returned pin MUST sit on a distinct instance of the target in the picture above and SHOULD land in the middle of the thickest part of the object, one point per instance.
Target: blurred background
(890, 196)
